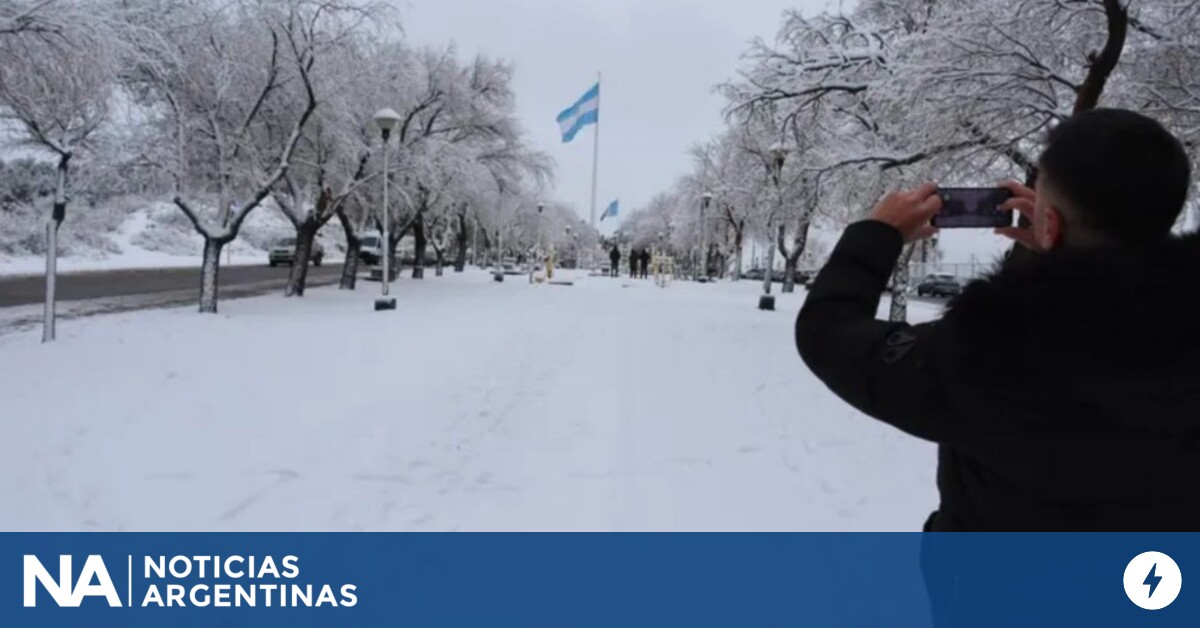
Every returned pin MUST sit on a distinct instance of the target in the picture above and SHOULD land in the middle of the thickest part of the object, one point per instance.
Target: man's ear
(1049, 230)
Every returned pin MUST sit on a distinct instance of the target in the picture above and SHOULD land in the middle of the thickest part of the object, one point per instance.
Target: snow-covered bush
(23, 181)
(88, 231)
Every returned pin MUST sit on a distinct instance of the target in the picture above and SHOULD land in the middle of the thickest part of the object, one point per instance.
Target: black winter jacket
(1064, 391)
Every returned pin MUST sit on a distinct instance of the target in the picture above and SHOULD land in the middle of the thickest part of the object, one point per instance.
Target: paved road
(28, 290)
(132, 289)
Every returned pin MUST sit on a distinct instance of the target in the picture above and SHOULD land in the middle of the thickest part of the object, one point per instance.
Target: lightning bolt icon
(1152, 580)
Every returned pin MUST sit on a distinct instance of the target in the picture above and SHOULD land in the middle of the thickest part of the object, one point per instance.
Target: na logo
(93, 581)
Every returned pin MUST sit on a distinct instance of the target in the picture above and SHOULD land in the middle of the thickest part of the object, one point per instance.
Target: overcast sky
(660, 60)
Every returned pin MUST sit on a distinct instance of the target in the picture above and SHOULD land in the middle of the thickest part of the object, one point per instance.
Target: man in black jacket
(1064, 389)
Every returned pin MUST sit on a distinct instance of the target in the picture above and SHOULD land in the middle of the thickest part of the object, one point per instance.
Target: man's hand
(1023, 201)
(909, 211)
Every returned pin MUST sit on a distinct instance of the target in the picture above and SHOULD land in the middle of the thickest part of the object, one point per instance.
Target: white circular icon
(1152, 580)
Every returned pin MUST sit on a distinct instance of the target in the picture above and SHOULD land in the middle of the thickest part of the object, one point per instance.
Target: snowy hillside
(133, 234)
(608, 405)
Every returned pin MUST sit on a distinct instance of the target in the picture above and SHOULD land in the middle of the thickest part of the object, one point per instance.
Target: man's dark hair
(1123, 174)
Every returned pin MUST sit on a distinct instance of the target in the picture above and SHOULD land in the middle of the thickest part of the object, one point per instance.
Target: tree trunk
(769, 260)
(1102, 64)
(394, 239)
(441, 261)
(353, 248)
(209, 271)
(900, 281)
(419, 244)
(738, 247)
(799, 242)
(350, 265)
(306, 233)
(487, 246)
(789, 280)
(789, 266)
(460, 257)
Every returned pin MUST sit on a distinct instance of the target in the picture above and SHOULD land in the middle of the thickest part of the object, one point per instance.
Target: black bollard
(766, 302)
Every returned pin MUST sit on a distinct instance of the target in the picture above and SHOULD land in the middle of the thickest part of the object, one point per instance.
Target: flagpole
(596, 152)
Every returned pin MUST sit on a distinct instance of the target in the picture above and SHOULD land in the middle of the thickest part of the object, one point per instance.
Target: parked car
(370, 251)
(777, 275)
(509, 266)
(285, 249)
(939, 285)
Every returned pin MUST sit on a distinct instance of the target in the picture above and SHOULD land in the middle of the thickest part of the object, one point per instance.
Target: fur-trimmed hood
(1105, 311)
(1114, 329)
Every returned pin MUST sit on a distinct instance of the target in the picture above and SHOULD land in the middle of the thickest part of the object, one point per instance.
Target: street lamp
(386, 120)
(705, 200)
(541, 207)
(540, 243)
(778, 154)
(573, 249)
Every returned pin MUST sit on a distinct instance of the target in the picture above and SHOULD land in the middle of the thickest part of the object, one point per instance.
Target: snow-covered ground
(608, 405)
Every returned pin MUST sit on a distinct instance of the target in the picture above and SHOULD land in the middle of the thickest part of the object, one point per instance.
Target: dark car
(939, 286)
(777, 275)
(759, 274)
(370, 251)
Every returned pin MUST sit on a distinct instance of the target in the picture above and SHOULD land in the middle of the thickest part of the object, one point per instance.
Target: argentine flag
(585, 111)
(610, 212)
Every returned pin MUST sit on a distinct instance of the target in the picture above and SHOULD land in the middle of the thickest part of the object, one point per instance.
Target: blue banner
(625, 580)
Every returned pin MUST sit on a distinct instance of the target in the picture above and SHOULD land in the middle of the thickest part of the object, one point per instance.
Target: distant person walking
(615, 257)
(644, 263)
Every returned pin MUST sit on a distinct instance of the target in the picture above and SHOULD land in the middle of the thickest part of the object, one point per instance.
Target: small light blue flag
(585, 111)
(611, 211)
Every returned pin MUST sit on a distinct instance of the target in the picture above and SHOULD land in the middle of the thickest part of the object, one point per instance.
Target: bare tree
(897, 89)
(52, 21)
(216, 77)
(57, 91)
(333, 157)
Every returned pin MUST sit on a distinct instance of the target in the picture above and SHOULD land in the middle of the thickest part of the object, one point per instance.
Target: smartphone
(973, 208)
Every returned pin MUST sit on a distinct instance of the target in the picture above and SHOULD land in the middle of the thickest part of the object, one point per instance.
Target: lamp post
(778, 154)
(705, 200)
(540, 244)
(535, 251)
(571, 242)
(386, 120)
(659, 259)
